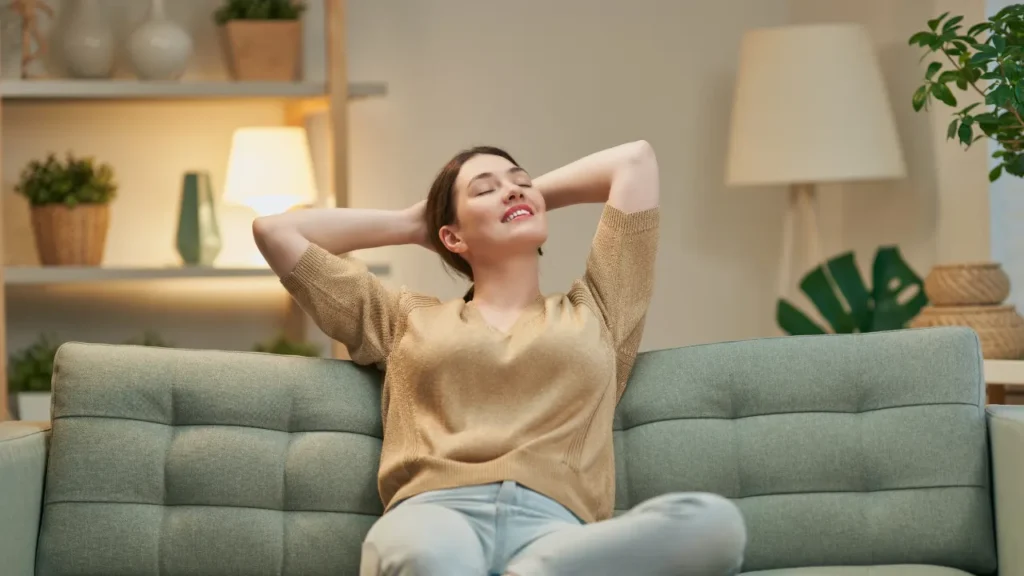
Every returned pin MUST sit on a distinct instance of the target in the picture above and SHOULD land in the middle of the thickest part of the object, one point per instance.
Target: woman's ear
(451, 240)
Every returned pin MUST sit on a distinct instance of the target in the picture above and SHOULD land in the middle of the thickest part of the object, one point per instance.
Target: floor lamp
(810, 107)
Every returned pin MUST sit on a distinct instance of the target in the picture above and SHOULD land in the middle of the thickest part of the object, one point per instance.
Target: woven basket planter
(977, 284)
(1000, 328)
(263, 50)
(71, 236)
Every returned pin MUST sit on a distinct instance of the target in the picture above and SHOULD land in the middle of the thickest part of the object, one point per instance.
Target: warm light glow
(270, 170)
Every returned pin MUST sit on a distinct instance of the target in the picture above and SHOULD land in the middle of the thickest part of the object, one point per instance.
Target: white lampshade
(270, 170)
(811, 107)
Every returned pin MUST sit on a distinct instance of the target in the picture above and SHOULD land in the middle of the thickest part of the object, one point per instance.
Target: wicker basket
(978, 284)
(266, 50)
(71, 236)
(1002, 316)
(1000, 328)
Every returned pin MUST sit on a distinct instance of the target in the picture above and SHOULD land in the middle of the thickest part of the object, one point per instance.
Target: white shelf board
(141, 90)
(1007, 372)
(40, 275)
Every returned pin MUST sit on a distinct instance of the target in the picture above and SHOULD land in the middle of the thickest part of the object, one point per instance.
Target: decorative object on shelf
(28, 11)
(31, 371)
(89, 41)
(199, 240)
(262, 38)
(972, 295)
(785, 129)
(70, 205)
(159, 48)
(284, 345)
(969, 58)
(270, 170)
(839, 293)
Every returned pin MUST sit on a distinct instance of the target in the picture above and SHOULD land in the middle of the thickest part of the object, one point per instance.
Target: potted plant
(30, 373)
(283, 345)
(988, 59)
(262, 38)
(70, 207)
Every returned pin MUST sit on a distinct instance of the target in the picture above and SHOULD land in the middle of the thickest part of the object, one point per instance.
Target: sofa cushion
(170, 461)
(840, 450)
(885, 570)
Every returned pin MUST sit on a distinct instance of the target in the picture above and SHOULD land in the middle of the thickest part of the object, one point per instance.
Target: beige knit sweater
(464, 403)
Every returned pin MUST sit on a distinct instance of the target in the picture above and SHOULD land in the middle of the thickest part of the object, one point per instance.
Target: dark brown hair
(441, 203)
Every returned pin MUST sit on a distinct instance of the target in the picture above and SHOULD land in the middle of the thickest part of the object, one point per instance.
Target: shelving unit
(40, 276)
(70, 90)
(300, 99)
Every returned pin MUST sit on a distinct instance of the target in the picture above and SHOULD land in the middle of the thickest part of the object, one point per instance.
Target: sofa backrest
(839, 450)
(184, 462)
(866, 449)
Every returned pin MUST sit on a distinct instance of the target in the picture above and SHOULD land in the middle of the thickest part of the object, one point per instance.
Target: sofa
(848, 455)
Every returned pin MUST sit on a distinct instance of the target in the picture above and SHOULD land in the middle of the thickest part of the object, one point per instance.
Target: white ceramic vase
(159, 49)
(89, 41)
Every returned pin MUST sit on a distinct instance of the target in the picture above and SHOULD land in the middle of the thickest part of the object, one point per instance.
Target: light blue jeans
(505, 528)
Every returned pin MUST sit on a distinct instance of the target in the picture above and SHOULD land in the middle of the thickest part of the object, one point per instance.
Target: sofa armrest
(23, 447)
(1006, 432)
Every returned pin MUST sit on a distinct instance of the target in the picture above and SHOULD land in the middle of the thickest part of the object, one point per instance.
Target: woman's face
(499, 214)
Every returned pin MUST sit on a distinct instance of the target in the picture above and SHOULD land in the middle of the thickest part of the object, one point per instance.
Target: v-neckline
(524, 314)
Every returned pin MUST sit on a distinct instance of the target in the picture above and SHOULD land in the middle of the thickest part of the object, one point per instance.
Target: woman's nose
(514, 193)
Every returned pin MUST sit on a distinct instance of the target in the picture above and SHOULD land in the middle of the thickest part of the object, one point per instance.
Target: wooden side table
(1001, 374)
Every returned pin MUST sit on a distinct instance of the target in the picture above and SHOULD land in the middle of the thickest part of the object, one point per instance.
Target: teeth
(516, 214)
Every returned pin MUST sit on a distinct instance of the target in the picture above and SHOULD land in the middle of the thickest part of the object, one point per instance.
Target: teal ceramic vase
(199, 239)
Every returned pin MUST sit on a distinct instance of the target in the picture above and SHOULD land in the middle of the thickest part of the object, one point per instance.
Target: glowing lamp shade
(270, 170)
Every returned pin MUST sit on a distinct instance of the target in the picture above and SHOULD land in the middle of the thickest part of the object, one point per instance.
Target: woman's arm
(626, 177)
(283, 238)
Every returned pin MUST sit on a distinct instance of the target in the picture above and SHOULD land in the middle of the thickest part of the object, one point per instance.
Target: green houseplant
(29, 374)
(262, 38)
(69, 202)
(988, 59)
(848, 305)
(284, 345)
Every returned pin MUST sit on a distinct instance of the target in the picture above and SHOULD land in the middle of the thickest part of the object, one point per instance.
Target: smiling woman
(504, 400)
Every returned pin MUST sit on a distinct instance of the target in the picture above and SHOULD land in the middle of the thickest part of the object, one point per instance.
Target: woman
(497, 408)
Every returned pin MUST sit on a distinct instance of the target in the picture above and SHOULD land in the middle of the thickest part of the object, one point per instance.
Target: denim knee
(421, 540)
(716, 520)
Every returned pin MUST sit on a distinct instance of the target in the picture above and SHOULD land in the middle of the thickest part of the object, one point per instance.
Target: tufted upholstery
(854, 450)
(187, 462)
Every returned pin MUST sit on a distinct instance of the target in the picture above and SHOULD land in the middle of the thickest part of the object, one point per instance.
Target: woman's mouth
(516, 212)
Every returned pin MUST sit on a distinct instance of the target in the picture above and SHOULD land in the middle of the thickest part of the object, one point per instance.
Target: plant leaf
(951, 23)
(965, 133)
(921, 39)
(932, 69)
(934, 22)
(943, 94)
(851, 285)
(898, 292)
(995, 173)
(920, 97)
(794, 322)
(818, 289)
(951, 131)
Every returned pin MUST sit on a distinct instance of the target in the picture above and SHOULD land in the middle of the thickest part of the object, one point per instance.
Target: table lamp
(270, 170)
(810, 107)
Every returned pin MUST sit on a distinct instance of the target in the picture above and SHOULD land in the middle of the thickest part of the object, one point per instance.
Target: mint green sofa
(848, 455)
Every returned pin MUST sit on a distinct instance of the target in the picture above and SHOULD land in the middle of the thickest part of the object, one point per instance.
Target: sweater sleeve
(620, 278)
(347, 302)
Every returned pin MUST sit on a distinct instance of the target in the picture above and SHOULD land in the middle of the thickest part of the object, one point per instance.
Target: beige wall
(552, 81)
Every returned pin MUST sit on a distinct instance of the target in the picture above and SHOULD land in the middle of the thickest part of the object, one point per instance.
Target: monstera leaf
(896, 296)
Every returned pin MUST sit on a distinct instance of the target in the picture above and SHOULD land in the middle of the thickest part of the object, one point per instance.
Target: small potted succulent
(262, 38)
(70, 208)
